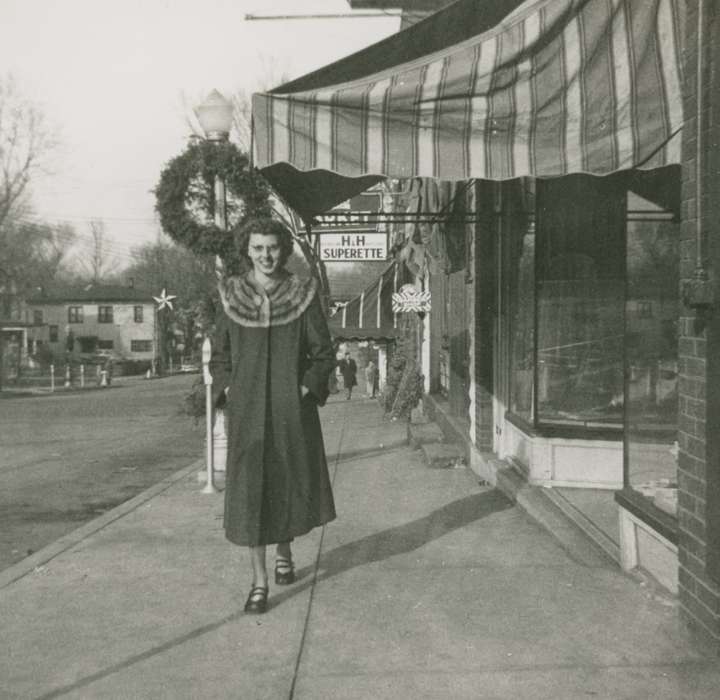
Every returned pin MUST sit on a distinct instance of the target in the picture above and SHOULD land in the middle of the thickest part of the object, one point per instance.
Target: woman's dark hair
(265, 226)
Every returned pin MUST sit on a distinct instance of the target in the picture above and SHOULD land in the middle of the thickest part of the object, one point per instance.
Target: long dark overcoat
(277, 482)
(348, 369)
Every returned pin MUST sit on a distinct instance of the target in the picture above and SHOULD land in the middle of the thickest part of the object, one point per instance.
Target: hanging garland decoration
(185, 197)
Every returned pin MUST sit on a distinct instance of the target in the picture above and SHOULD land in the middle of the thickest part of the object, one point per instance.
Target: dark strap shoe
(284, 571)
(256, 603)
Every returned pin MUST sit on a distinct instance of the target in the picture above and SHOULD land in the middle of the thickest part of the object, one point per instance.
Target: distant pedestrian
(333, 382)
(371, 374)
(348, 369)
(271, 361)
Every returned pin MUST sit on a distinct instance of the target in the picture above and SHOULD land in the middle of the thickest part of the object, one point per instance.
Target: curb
(43, 556)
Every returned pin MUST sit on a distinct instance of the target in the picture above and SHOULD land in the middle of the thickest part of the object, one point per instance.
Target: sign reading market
(349, 233)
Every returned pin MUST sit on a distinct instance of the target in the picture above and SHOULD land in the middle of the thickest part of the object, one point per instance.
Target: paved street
(427, 585)
(66, 458)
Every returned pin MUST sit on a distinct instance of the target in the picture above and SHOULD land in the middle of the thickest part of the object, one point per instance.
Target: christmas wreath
(185, 197)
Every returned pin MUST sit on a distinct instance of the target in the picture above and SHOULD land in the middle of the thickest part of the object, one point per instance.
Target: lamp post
(215, 118)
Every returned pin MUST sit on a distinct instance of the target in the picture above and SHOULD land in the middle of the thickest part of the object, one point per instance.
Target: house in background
(111, 319)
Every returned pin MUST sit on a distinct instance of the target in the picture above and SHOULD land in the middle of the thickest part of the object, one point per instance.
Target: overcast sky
(109, 75)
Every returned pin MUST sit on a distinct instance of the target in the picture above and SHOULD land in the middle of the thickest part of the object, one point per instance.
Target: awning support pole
(699, 293)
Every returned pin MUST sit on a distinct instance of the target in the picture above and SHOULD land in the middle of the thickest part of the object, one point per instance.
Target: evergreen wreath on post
(185, 198)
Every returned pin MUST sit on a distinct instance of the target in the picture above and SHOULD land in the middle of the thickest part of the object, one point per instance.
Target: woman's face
(264, 253)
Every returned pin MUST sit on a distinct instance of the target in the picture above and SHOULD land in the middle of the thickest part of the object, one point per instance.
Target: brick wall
(699, 351)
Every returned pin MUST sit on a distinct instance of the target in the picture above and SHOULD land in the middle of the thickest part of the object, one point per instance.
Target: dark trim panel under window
(141, 345)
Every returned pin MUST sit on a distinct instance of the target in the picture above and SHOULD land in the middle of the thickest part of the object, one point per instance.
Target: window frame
(138, 313)
(105, 313)
(630, 498)
(76, 314)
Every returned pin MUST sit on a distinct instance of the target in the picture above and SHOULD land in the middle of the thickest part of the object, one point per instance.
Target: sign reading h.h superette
(351, 247)
(350, 232)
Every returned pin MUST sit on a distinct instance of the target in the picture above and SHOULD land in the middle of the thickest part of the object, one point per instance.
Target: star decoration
(165, 300)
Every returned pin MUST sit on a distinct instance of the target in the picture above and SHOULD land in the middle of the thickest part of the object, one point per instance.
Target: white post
(67, 376)
(207, 379)
(219, 441)
(52, 378)
(82, 376)
(382, 367)
(425, 352)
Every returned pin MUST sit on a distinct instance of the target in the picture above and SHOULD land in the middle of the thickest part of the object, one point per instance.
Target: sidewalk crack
(337, 458)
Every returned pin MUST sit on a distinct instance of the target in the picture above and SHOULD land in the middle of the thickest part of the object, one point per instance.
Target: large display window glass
(580, 295)
(592, 279)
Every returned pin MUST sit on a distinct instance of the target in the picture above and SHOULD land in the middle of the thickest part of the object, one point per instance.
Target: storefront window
(651, 313)
(580, 295)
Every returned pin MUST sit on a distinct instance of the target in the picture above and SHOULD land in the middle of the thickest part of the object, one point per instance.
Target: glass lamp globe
(215, 116)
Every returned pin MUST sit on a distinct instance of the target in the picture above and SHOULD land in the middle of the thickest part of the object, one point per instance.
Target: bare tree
(97, 265)
(34, 253)
(24, 144)
(97, 261)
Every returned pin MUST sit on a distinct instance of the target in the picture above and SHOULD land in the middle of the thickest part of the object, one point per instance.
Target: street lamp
(215, 118)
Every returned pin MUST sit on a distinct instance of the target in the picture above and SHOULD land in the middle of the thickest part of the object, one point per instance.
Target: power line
(343, 15)
(83, 219)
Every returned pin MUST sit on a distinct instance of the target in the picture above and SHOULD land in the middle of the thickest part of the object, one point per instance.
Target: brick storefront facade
(699, 343)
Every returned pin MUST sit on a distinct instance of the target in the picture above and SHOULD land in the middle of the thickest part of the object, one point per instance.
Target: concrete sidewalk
(426, 586)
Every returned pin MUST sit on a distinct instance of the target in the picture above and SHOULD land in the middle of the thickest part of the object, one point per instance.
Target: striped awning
(558, 87)
(369, 316)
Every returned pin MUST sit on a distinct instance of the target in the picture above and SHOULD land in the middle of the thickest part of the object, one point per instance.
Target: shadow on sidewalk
(377, 547)
(409, 536)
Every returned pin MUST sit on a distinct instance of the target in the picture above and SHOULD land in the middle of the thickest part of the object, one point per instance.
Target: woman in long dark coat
(271, 361)
(348, 369)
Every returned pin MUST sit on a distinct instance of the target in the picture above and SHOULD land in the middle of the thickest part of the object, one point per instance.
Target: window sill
(570, 432)
(643, 508)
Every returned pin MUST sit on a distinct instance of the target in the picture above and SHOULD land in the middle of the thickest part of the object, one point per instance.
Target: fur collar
(248, 304)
